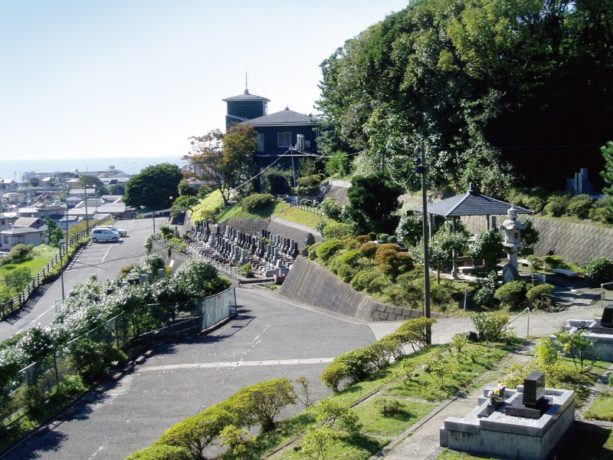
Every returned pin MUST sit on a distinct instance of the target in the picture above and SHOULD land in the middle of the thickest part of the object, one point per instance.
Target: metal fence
(217, 308)
(34, 383)
(19, 300)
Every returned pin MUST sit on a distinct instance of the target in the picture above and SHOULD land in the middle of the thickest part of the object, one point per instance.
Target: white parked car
(121, 231)
(101, 235)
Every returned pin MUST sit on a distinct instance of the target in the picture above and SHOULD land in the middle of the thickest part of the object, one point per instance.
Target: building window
(284, 139)
(260, 147)
(307, 144)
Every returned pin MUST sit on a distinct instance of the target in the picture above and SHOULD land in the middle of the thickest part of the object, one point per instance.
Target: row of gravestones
(268, 253)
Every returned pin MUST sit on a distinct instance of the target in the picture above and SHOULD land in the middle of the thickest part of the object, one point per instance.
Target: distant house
(28, 222)
(6, 220)
(28, 212)
(12, 236)
(285, 133)
(7, 184)
(82, 193)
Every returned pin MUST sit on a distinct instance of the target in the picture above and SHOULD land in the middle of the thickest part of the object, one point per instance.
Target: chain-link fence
(92, 354)
(217, 308)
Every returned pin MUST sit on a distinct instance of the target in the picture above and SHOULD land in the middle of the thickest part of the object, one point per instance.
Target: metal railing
(19, 300)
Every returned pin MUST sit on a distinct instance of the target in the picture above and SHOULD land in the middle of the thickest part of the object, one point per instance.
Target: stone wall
(312, 284)
(574, 242)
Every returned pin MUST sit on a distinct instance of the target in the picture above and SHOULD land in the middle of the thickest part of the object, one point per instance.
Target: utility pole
(65, 251)
(86, 213)
(421, 169)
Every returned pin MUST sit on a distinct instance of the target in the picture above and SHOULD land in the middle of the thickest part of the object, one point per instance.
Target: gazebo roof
(472, 203)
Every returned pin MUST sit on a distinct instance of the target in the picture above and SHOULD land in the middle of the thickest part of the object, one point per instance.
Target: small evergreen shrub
(369, 249)
(383, 237)
(600, 270)
(331, 208)
(579, 206)
(246, 270)
(257, 201)
(161, 452)
(328, 249)
(333, 375)
(556, 205)
(539, 296)
(484, 295)
(512, 294)
(387, 407)
(490, 326)
(336, 230)
(369, 281)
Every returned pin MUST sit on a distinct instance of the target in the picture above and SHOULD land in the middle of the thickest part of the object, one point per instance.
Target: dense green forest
(491, 89)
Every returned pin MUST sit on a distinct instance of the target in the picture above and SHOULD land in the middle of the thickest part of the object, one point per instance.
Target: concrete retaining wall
(574, 242)
(311, 284)
(255, 226)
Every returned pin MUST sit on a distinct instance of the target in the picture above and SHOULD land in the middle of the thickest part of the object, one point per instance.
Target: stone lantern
(512, 229)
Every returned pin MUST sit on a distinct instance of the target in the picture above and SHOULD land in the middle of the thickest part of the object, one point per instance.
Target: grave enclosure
(526, 423)
(269, 254)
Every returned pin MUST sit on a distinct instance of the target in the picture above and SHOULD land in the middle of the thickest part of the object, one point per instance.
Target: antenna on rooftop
(246, 83)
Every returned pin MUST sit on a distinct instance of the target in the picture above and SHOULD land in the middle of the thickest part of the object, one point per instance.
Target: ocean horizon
(14, 169)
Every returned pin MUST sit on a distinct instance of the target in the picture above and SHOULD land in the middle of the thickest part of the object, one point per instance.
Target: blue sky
(108, 78)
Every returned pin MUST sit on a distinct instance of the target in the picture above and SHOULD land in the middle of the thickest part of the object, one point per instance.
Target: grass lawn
(208, 207)
(377, 430)
(391, 426)
(279, 209)
(42, 254)
(601, 408)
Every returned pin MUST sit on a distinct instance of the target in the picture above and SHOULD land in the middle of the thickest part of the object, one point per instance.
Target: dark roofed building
(286, 132)
(243, 107)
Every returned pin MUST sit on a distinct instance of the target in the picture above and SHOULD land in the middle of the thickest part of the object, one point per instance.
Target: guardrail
(76, 241)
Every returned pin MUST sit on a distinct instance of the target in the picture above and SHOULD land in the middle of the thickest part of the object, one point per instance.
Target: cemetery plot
(268, 254)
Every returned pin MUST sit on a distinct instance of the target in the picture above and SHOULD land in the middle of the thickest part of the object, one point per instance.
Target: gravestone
(607, 316)
(534, 388)
(533, 403)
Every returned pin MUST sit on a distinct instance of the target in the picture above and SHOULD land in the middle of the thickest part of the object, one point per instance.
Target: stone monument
(512, 242)
(525, 423)
(599, 331)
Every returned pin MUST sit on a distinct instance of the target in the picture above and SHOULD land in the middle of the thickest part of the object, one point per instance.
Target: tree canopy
(224, 161)
(153, 187)
(475, 83)
(372, 201)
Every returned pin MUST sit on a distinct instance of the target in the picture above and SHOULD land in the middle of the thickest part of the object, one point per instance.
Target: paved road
(271, 338)
(103, 260)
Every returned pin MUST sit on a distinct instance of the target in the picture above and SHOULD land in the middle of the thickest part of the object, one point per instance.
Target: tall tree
(224, 161)
(607, 172)
(372, 201)
(153, 187)
(477, 83)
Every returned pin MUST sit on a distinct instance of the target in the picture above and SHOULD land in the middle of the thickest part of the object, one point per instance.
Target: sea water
(14, 169)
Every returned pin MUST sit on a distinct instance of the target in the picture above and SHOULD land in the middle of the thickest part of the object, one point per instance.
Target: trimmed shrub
(556, 205)
(490, 326)
(336, 230)
(327, 249)
(370, 281)
(602, 210)
(246, 270)
(331, 208)
(534, 203)
(161, 452)
(369, 249)
(387, 407)
(261, 403)
(539, 296)
(257, 201)
(579, 206)
(512, 294)
(347, 264)
(382, 237)
(600, 270)
(414, 332)
(197, 432)
(93, 359)
(334, 374)
(312, 251)
(19, 253)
